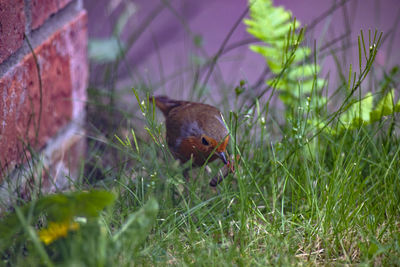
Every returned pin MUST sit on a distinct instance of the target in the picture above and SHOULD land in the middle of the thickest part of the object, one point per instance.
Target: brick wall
(42, 93)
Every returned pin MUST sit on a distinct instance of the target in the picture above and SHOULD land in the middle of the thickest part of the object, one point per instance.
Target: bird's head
(205, 139)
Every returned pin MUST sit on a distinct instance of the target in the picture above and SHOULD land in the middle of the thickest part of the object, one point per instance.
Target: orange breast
(189, 148)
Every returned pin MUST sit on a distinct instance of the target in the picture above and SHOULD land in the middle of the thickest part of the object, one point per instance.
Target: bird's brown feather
(186, 123)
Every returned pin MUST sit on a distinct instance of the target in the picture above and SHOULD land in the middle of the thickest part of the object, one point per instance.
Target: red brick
(63, 3)
(12, 26)
(61, 162)
(66, 161)
(76, 37)
(24, 101)
(43, 9)
(20, 99)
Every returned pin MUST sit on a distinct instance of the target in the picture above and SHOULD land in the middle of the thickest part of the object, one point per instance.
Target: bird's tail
(165, 104)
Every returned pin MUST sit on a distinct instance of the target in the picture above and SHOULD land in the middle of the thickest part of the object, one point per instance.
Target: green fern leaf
(294, 79)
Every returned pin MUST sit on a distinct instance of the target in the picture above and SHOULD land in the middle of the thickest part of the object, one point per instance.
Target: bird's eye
(204, 141)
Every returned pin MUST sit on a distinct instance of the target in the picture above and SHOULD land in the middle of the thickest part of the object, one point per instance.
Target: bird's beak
(222, 156)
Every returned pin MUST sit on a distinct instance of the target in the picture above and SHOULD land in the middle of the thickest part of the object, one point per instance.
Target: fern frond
(296, 80)
(281, 49)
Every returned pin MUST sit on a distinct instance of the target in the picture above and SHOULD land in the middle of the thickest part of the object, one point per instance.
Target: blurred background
(168, 47)
(169, 40)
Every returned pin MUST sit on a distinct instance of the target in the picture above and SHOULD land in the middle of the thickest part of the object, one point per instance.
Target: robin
(194, 131)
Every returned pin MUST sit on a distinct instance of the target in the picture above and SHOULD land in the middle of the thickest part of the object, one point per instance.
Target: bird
(194, 131)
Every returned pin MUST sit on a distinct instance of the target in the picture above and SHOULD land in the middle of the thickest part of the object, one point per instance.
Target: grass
(299, 196)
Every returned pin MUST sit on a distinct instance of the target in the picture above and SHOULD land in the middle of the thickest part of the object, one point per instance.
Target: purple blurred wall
(165, 47)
